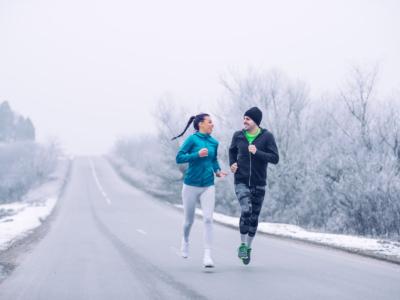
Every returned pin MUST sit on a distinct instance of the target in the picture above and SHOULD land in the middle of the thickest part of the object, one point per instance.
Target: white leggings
(206, 195)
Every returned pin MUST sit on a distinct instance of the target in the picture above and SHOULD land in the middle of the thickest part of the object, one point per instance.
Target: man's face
(248, 123)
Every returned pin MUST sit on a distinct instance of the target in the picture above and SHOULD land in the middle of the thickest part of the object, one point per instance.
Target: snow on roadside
(385, 249)
(348, 242)
(20, 218)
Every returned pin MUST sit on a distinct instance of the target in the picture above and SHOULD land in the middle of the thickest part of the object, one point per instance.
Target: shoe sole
(246, 260)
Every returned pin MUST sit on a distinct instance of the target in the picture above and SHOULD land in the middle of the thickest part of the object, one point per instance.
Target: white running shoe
(184, 249)
(207, 260)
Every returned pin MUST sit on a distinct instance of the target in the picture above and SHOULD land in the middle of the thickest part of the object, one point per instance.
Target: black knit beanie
(255, 114)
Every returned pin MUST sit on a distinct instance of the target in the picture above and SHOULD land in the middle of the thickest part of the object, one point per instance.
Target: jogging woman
(200, 151)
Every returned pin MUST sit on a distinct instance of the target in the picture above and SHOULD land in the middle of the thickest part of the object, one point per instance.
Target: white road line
(141, 231)
(96, 179)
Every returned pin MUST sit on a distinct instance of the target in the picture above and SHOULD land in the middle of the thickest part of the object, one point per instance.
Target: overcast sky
(90, 71)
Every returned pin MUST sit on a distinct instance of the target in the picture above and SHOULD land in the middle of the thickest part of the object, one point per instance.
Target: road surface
(109, 240)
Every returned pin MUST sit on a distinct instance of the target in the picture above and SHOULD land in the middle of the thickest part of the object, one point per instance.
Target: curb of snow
(34, 208)
(374, 248)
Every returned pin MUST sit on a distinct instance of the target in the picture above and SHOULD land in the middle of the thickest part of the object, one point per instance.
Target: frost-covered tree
(24, 130)
(6, 122)
(339, 168)
(14, 127)
(23, 163)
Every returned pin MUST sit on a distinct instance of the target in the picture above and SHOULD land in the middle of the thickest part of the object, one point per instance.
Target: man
(249, 154)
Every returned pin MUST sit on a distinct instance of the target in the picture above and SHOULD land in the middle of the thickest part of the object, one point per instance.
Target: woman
(200, 151)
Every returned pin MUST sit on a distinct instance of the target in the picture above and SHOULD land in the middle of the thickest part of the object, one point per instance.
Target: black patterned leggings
(251, 200)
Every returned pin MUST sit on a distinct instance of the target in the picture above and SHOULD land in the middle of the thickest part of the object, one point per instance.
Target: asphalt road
(109, 240)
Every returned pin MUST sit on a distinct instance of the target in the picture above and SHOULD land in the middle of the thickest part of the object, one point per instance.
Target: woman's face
(206, 126)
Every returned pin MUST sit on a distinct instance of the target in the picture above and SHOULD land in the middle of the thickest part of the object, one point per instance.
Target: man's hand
(221, 174)
(252, 149)
(203, 152)
(234, 168)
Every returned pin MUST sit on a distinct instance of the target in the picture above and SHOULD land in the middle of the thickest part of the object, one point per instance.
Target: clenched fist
(203, 152)
(252, 149)
(221, 174)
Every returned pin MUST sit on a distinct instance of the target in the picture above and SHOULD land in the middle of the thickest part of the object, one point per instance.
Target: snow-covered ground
(18, 219)
(374, 247)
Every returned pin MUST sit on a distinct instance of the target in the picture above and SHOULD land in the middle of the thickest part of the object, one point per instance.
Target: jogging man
(249, 154)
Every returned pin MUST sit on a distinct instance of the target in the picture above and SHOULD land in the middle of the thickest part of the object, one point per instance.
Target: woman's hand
(221, 174)
(203, 152)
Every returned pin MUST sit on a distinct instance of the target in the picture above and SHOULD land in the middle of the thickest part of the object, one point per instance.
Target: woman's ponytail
(187, 126)
(196, 121)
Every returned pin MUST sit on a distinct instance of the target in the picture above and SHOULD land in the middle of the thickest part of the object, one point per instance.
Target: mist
(90, 72)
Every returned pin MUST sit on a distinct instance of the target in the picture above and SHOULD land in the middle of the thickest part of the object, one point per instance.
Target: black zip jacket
(252, 168)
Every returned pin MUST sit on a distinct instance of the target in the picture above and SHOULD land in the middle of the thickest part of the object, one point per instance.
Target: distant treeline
(14, 127)
(23, 162)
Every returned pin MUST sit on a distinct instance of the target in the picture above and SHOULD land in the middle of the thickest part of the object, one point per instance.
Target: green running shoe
(246, 261)
(242, 251)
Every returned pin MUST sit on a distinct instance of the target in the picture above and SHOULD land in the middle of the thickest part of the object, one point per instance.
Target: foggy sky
(91, 71)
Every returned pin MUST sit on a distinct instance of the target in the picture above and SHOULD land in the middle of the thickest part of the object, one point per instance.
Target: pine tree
(6, 122)
(14, 127)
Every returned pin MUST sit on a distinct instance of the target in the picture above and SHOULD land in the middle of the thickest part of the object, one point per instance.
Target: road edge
(10, 258)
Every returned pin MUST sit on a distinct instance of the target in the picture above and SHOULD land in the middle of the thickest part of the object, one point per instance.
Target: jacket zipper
(250, 156)
(250, 168)
(204, 170)
(202, 178)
